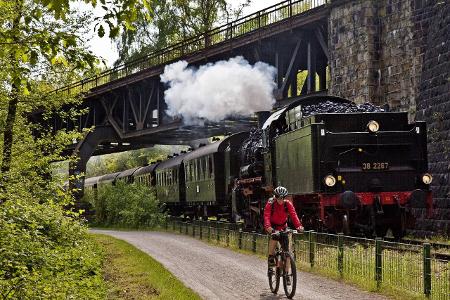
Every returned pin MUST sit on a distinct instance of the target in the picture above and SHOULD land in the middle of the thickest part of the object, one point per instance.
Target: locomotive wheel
(398, 229)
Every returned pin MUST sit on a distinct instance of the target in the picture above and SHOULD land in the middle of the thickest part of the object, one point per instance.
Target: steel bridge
(126, 107)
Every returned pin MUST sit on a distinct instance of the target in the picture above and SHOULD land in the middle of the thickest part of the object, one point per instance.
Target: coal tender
(349, 168)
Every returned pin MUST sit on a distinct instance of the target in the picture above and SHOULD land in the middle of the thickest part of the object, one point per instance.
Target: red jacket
(279, 217)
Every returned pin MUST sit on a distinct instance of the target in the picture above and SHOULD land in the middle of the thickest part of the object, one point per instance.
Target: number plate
(374, 166)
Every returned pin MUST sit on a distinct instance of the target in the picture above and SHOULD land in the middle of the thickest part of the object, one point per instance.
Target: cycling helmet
(280, 192)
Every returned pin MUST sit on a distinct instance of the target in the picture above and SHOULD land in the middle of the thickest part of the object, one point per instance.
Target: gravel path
(219, 273)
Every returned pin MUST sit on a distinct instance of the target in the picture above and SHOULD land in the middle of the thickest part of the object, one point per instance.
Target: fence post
(290, 8)
(312, 246)
(341, 254)
(201, 231)
(427, 269)
(218, 234)
(254, 242)
(228, 237)
(378, 262)
(240, 239)
(209, 232)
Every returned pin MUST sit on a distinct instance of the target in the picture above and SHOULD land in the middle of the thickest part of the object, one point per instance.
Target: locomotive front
(360, 171)
(348, 168)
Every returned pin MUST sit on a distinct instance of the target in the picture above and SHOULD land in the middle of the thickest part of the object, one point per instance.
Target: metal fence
(237, 28)
(411, 269)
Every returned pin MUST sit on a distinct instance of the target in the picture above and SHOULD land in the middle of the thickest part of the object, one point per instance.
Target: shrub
(45, 253)
(128, 205)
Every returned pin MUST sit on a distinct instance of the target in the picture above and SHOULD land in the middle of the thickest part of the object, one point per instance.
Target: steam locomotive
(348, 168)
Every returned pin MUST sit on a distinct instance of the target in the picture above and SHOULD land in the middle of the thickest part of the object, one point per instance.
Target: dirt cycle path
(219, 273)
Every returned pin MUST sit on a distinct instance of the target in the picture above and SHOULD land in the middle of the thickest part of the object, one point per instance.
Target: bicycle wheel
(274, 276)
(290, 277)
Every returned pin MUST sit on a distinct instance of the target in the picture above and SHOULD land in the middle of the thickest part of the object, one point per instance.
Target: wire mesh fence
(411, 269)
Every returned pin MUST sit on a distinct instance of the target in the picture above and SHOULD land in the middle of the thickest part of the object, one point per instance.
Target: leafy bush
(46, 254)
(128, 205)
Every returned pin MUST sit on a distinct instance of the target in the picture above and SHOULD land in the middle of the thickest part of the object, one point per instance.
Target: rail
(234, 29)
(413, 270)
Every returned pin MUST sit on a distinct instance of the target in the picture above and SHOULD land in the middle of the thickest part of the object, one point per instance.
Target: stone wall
(396, 52)
(354, 50)
(433, 106)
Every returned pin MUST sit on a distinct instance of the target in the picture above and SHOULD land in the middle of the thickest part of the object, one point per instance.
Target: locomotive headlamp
(373, 126)
(427, 178)
(330, 180)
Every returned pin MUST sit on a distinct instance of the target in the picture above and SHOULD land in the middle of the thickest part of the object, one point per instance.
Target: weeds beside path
(132, 274)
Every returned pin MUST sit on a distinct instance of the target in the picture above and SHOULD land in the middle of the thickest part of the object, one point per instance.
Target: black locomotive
(348, 168)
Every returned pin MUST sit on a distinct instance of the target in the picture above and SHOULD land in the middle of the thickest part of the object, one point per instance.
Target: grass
(133, 274)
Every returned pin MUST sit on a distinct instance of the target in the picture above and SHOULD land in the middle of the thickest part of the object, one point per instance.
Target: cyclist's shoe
(271, 261)
(288, 281)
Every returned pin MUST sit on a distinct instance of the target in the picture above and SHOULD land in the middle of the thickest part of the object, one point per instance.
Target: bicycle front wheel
(274, 278)
(290, 276)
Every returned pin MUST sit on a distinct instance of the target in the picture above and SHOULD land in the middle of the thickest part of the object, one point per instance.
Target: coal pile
(251, 149)
(334, 107)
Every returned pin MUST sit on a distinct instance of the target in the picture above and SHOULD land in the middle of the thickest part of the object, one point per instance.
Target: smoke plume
(216, 91)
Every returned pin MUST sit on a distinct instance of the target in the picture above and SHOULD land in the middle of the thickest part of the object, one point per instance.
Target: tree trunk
(9, 132)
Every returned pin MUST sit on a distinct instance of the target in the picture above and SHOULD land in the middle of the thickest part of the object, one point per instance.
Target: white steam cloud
(216, 91)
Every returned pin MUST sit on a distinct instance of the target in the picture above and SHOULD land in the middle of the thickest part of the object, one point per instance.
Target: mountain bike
(284, 265)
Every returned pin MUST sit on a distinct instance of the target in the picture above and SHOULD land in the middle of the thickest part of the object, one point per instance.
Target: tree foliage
(44, 249)
(172, 22)
(117, 162)
(141, 208)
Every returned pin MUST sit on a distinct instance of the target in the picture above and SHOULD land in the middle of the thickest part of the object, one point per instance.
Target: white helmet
(280, 192)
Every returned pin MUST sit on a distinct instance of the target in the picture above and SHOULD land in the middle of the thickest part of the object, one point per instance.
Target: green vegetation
(174, 21)
(117, 162)
(126, 205)
(45, 253)
(132, 274)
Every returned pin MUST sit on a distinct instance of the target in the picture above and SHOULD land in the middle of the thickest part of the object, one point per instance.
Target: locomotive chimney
(262, 116)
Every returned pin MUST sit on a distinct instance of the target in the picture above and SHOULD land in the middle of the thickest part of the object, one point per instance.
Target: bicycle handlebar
(278, 232)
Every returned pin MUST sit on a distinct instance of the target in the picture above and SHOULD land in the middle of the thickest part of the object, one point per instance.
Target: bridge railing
(372, 263)
(234, 29)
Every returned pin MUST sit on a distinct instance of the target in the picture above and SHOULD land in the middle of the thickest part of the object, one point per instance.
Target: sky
(103, 47)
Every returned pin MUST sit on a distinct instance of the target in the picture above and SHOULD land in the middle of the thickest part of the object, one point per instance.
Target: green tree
(45, 252)
(37, 35)
(172, 22)
(116, 162)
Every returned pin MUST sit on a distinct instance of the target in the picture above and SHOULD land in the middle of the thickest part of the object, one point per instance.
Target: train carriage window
(195, 170)
(190, 171)
(204, 168)
(210, 165)
(200, 167)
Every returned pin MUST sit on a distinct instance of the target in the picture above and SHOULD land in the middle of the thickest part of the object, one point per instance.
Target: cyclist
(275, 218)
